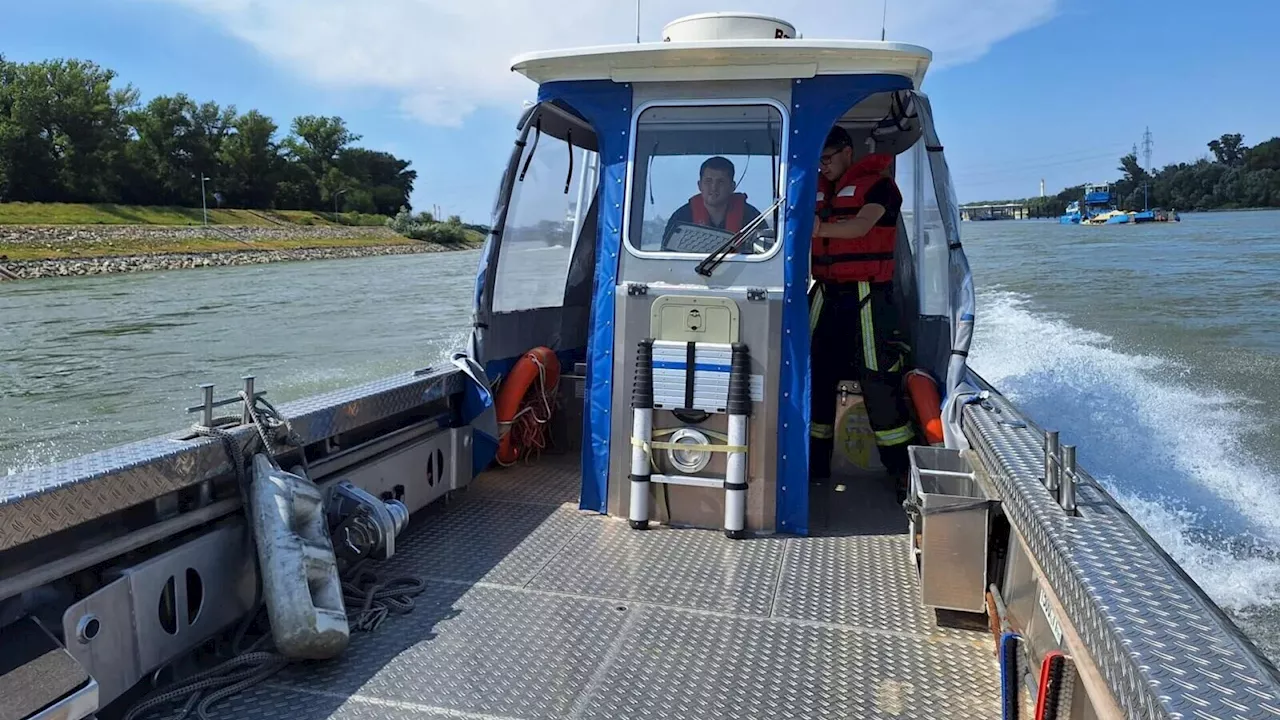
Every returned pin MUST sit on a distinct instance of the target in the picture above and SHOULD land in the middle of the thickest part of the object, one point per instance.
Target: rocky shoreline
(32, 269)
(108, 240)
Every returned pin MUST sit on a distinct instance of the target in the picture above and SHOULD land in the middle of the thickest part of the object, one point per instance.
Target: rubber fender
(523, 378)
(300, 583)
(923, 391)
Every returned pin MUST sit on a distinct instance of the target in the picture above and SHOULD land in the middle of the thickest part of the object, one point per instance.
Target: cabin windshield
(700, 173)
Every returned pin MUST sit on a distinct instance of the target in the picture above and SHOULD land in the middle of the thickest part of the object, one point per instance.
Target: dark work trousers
(852, 335)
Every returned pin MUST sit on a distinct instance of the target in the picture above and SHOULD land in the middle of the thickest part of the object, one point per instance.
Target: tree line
(68, 134)
(1237, 176)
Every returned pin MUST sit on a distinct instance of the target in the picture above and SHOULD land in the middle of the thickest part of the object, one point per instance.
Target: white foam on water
(1232, 581)
(1189, 433)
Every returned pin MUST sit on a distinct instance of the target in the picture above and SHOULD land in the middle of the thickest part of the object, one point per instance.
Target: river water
(1152, 348)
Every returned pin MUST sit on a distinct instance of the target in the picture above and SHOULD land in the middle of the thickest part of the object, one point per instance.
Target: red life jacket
(867, 258)
(732, 216)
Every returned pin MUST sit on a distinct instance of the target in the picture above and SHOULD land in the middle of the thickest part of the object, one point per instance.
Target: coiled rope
(361, 588)
(529, 432)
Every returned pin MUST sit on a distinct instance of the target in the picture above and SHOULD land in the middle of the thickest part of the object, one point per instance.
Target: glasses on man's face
(826, 158)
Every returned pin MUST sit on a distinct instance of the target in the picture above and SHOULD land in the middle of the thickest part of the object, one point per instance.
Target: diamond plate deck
(537, 610)
(483, 650)
(477, 539)
(1164, 649)
(273, 701)
(690, 568)
(681, 665)
(552, 480)
(861, 581)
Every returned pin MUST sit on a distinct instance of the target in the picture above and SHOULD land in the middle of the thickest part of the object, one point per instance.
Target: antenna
(637, 22)
(1146, 150)
(883, 16)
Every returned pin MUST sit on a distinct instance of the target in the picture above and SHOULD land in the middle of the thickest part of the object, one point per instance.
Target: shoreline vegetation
(1237, 178)
(76, 240)
(95, 179)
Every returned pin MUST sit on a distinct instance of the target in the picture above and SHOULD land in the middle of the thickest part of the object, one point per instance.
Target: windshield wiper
(717, 256)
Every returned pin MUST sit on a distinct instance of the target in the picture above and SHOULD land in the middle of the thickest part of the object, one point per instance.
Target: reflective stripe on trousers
(895, 436)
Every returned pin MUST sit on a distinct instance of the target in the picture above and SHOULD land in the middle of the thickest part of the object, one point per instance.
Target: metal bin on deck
(950, 529)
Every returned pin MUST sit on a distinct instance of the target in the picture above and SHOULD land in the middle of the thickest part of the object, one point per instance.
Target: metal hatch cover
(684, 318)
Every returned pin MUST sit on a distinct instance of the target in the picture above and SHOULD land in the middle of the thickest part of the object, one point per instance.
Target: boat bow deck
(534, 609)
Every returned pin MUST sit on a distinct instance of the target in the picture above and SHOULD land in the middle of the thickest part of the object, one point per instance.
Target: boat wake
(1169, 452)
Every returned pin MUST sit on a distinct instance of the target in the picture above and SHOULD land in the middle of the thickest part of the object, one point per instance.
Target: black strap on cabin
(568, 138)
(537, 133)
(898, 111)
(773, 166)
(690, 355)
(648, 171)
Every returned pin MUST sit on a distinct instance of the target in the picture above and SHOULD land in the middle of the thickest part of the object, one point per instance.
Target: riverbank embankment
(36, 251)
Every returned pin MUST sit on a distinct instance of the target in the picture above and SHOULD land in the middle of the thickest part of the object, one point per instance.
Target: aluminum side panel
(47, 500)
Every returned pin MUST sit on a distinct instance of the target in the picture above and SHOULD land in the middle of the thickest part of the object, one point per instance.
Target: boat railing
(40, 504)
(1162, 646)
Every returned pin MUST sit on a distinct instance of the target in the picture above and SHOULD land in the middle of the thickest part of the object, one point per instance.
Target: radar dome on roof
(727, 26)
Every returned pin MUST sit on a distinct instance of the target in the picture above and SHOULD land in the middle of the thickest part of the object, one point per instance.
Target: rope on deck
(361, 588)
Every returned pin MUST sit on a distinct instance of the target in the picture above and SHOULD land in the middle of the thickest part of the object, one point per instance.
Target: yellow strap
(701, 448)
(650, 446)
(822, 431)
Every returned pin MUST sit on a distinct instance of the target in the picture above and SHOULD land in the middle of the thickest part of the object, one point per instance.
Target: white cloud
(445, 58)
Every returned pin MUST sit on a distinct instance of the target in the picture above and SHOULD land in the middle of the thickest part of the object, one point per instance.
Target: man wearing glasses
(852, 318)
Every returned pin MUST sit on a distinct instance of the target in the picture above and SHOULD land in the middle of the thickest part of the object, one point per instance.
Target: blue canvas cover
(816, 104)
(607, 107)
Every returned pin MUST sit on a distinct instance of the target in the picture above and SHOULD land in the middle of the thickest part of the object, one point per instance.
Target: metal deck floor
(534, 609)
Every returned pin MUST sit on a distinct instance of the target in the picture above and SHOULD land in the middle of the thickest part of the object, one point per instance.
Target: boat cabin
(691, 333)
(644, 294)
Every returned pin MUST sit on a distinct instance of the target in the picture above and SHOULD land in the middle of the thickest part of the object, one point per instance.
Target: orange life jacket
(732, 217)
(867, 258)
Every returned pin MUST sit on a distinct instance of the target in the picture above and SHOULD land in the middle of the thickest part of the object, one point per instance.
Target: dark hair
(838, 138)
(717, 163)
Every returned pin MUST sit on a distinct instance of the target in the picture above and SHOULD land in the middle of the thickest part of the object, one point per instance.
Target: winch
(362, 525)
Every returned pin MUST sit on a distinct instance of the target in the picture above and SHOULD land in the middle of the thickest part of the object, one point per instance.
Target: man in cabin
(716, 205)
(852, 318)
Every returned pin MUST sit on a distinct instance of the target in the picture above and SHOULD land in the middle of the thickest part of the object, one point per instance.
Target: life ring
(525, 401)
(923, 391)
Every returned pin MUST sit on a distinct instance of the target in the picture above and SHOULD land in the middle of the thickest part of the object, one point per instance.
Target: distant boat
(1099, 208)
(1156, 215)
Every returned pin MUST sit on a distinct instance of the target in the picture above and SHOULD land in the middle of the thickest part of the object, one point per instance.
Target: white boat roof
(739, 59)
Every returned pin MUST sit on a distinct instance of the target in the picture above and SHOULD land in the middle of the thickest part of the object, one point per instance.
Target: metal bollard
(207, 417)
(1051, 475)
(1067, 495)
(245, 417)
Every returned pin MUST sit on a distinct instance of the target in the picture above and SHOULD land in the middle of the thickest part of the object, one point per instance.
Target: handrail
(46, 500)
(1162, 644)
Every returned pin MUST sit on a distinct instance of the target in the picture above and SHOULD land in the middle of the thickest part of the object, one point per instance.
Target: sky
(1023, 90)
